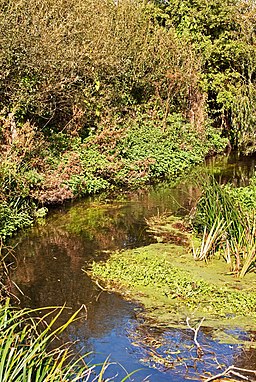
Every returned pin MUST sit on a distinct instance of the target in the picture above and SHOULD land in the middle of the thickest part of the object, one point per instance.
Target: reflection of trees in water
(109, 226)
(49, 262)
(50, 257)
(247, 358)
(234, 168)
(49, 274)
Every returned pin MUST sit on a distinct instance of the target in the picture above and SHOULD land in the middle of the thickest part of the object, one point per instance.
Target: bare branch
(196, 330)
(233, 370)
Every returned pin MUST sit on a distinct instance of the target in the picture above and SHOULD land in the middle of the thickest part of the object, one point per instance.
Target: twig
(196, 330)
(98, 285)
(239, 375)
(233, 370)
(220, 375)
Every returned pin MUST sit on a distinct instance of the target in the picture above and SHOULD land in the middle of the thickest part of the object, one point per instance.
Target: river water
(48, 271)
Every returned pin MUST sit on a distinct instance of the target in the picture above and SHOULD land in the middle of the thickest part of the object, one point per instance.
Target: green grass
(24, 354)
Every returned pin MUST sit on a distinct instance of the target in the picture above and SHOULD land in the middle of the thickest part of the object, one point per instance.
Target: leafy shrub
(167, 151)
(71, 65)
(223, 34)
(244, 196)
(14, 217)
(94, 95)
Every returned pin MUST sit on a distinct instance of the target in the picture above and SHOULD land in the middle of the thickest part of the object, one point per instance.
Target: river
(48, 270)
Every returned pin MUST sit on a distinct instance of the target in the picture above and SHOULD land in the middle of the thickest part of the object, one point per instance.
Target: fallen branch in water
(235, 371)
(98, 285)
(200, 351)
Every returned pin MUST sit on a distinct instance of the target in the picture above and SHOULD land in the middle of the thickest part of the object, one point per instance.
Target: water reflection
(50, 257)
(234, 168)
(50, 275)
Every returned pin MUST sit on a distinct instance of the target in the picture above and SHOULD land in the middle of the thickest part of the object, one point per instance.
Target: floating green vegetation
(172, 286)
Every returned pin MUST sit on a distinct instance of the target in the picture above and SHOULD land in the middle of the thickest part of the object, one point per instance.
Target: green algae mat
(171, 286)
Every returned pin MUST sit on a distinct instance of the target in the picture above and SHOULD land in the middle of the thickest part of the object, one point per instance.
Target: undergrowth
(134, 155)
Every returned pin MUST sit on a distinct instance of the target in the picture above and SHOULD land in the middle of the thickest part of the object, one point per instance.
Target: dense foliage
(223, 35)
(99, 94)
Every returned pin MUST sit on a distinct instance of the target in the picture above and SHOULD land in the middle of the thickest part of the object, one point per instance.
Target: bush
(70, 65)
(94, 94)
(223, 34)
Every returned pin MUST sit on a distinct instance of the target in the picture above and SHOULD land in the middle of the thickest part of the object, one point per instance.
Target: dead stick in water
(233, 370)
(196, 330)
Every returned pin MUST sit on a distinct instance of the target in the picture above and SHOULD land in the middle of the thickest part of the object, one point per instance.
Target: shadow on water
(50, 256)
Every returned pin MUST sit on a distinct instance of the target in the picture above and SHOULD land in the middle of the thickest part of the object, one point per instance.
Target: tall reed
(226, 227)
(25, 354)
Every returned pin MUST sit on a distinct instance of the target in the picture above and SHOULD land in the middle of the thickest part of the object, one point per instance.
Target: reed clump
(226, 226)
(23, 351)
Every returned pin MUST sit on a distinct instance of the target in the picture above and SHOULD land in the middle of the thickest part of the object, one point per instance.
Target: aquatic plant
(171, 285)
(226, 226)
(25, 354)
(245, 249)
(210, 240)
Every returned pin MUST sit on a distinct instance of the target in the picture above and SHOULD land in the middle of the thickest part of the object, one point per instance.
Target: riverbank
(38, 172)
(129, 94)
(90, 229)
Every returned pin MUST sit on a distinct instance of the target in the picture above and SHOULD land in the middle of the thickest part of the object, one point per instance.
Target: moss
(171, 285)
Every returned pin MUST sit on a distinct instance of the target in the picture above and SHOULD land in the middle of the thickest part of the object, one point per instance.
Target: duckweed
(160, 277)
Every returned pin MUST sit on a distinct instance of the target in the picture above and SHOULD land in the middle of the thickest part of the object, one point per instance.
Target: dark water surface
(51, 255)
